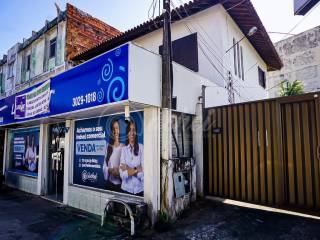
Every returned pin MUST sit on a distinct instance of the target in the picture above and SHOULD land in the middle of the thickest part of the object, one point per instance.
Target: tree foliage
(291, 89)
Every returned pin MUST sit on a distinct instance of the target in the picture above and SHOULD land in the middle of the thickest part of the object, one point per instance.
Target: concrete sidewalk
(24, 216)
(217, 220)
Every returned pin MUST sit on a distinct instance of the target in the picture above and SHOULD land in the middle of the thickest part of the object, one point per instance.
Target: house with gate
(99, 124)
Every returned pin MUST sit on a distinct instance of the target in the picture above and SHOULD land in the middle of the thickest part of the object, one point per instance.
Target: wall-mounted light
(251, 32)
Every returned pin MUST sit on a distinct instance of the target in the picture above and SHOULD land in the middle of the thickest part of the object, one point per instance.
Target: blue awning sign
(100, 81)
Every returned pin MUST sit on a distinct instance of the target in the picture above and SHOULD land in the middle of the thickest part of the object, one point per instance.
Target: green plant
(163, 217)
(291, 89)
(163, 223)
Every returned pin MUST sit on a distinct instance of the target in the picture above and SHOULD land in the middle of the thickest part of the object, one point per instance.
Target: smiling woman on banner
(112, 160)
(30, 155)
(131, 163)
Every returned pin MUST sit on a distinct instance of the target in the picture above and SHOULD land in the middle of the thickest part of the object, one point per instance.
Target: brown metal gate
(265, 152)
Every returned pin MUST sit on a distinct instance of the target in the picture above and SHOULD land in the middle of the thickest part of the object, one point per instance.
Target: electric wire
(204, 42)
(208, 58)
(304, 17)
(236, 5)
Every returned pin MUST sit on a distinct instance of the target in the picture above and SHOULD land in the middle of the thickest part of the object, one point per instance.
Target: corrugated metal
(267, 152)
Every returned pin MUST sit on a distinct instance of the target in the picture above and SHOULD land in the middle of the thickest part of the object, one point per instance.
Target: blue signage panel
(25, 151)
(99, 81)
(108, 153)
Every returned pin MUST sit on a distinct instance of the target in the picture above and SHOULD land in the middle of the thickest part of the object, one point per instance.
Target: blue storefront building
(92, 132)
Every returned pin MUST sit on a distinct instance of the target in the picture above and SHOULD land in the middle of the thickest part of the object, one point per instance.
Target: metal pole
(166, 57)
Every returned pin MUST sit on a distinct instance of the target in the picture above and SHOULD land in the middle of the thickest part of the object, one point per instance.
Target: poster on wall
(25, 150)
(108, 153)
(34, 102)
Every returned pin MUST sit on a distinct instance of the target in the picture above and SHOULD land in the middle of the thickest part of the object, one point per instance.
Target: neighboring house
(301, 61)
(207, 30)
(3, 74)
(47, 52)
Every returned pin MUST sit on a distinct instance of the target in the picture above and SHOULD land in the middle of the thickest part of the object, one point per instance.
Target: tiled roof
(242, 12)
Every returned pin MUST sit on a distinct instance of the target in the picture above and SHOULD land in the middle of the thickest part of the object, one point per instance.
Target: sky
(19, 17)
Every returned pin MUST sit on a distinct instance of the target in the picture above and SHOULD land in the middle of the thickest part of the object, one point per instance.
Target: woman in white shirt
(30, 155)
(112, 160)
(131, 163)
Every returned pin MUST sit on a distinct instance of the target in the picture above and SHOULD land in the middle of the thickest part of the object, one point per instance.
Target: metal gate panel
(265, 152)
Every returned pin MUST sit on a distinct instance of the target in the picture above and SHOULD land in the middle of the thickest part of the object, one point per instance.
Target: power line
(304, 17)
(236, 5)
(201, 48)
(282, 33)
(211, 50)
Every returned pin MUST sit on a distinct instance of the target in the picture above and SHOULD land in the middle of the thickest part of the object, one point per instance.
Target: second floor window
(238, 60)
(28, 62)
(52, 48)
(10, 70)
(1, 82)
(262, 77)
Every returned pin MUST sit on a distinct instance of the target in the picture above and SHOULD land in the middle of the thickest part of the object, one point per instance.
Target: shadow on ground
(24, 216)
(215, 220)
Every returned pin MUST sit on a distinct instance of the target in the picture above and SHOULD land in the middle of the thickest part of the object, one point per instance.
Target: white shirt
(114, 161)
(31, 158)
(133, 184)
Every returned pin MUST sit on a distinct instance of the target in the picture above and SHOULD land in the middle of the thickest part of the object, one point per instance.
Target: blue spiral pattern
(107, 71)
(117, 93)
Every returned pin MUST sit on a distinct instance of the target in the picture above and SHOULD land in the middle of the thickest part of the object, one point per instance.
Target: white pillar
(151, 142)
(43, 160)
(68, 160)
(5, 150)
(197, 135)
(167, 191)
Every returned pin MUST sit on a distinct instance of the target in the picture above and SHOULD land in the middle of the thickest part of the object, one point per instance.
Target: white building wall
(215, 30)
(301, 59)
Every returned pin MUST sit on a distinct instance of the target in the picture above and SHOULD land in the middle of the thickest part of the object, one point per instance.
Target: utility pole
(166, 57)
(166, 144)
(230, 88)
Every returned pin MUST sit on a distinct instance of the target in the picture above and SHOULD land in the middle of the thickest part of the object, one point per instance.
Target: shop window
(262, 77)
(108, 153)
(25, 151)
(182, 129)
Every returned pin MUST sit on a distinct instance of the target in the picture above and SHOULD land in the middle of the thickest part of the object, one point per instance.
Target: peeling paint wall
(301, 58)
(12, 59)
(74, 33)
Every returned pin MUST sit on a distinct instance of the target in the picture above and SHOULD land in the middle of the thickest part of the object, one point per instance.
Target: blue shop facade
(93, 132)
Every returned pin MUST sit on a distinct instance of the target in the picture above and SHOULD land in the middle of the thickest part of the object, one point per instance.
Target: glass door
(56, 162)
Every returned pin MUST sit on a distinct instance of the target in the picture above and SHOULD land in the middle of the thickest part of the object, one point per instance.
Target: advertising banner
(97, 82)
(108, 153)
(34, 102)
(25, 151)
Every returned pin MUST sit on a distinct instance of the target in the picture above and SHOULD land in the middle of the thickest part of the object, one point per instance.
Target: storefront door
(1, 151)
(56, 161)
